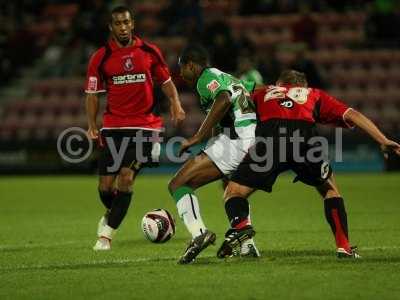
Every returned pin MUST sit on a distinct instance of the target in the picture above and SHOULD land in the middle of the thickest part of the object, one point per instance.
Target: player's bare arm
(92, 108)
(355, 117)
(219, 108)
(176, 111)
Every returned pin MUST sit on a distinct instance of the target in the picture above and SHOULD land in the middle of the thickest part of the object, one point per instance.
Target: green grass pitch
(48, 225)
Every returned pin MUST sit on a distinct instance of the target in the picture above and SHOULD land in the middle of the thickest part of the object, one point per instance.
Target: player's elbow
(351, 116)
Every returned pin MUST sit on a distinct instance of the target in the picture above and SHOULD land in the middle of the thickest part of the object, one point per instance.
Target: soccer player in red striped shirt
(284, 110)
(126, 68)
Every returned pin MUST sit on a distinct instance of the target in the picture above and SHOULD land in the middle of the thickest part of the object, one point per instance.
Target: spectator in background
(257, 7)
(290, 56)
(269, 66)
(305, 65)
(91, 20)
(248, 62)
(183, 17)
(383, 23)
(223, 48)
(6, 68)
(247, 70)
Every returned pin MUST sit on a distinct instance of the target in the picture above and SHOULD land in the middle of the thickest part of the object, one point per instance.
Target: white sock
(107, 232)
(189, 212)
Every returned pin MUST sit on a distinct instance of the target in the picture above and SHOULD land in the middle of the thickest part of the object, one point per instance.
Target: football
(158, 226)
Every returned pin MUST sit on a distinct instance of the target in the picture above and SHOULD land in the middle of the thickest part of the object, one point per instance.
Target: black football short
(127, 148)
(269, 158)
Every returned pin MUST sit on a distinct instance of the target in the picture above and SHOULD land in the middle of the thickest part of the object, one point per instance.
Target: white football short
(227, 153)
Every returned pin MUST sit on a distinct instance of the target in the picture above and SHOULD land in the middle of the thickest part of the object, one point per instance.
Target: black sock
(335, 214)
(119, 208)
(237, 209)
(107, 197)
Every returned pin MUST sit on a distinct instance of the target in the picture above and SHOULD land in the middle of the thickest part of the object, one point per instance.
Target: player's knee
(331, 193)
(172, 185)
(106, 185)
(125, 178)
(234, 190)
(176, 182)
(328, 190)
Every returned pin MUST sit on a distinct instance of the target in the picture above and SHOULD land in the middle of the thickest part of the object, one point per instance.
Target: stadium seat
(174, 44)
(152, 8)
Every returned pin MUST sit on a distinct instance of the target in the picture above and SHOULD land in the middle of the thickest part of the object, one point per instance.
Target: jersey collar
(114, 46)
(289, 86)
(201, 74)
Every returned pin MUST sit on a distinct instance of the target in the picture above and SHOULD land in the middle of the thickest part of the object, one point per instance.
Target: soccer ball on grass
(158, 226)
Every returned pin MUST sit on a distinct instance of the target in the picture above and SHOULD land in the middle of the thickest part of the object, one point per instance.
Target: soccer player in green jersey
(225, 99)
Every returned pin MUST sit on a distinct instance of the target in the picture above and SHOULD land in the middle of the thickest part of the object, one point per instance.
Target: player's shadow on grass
(144, 242)
(367, 258)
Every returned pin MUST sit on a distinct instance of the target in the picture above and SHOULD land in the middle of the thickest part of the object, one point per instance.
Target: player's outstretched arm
(218, 110)
(92, 108)
(176, 111)
(358, 119)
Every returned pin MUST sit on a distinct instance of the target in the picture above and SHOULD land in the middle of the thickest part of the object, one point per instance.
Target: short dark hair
(293, 77)
(118, 10)
(195, 53)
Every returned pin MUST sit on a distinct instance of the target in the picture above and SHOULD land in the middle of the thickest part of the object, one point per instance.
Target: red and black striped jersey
(128, 76)
(299, 103)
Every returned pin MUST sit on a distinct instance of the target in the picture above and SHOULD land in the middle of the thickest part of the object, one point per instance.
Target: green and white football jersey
(241, 117)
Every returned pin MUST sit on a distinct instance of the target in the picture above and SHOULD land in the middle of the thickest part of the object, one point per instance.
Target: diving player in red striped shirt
(284, 110)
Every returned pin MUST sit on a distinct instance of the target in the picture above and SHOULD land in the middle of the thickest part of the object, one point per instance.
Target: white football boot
(105, 237)
(102, 244)
(249, 249)
(352, 253)
(100, 226)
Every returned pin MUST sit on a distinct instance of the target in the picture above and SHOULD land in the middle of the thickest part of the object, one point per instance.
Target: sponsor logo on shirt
(129, 78)
(92, 84)
(213, 86)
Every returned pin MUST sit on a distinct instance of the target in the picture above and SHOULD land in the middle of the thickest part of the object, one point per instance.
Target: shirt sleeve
(331, 111)
(249, 85)
(160, 70)
(94, 81)
(210, 86)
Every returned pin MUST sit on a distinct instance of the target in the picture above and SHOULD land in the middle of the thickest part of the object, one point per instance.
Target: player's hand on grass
(177, 113)
(390, 146)
(93, 133)
(186, 144)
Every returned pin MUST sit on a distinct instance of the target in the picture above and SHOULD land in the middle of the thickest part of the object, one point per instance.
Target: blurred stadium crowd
(350, 48)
